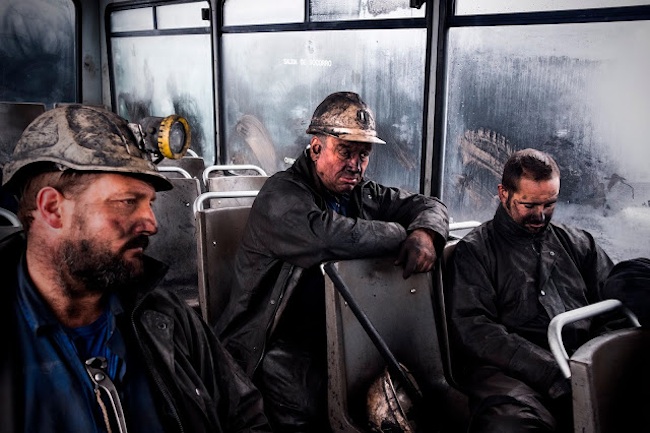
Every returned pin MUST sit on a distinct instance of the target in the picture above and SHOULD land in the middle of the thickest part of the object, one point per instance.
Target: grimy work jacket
(507, 286)
(203, 388)
(290, 229)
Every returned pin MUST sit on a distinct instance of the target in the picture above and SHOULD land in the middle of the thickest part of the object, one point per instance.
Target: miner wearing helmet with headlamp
(320, 209)
(90, 343)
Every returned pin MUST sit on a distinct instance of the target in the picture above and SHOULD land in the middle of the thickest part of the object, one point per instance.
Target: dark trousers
(500, 403)
(293, 382)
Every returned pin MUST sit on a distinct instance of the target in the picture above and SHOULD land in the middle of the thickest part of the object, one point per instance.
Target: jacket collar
(305, 168)
(505, 225)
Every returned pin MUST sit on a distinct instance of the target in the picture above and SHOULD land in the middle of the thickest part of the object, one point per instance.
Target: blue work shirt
(59, 395)
(338, 203)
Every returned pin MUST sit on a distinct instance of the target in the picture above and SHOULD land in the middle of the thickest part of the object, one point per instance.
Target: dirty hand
(417, 253)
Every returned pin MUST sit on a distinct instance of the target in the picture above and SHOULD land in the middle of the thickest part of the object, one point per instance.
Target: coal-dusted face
(340, 164)
(107, 233)
(533, 203)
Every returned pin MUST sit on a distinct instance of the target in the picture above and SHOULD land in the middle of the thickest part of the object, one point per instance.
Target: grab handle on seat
(174, 169)
(198, 203)
(232, 167)
(557, 323)
(11, 217)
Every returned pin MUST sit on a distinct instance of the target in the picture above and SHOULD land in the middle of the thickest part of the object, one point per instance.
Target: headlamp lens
(177, 138)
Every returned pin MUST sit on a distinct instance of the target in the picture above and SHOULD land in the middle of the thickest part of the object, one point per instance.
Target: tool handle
(393, 365)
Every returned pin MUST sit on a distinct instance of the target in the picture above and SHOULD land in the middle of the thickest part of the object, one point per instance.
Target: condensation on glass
(132, 20)
(37, 51)
(252, 12)
(578, 91)
(181, 16)
(152, 78)
(298, 69)
(334, 10)
(473, 7)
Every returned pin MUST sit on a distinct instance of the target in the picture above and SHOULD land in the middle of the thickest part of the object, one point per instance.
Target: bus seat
(443, 305)
(610, 381)
(219, 232)
(229, 181)
(403, 314)
(175, 242)
(194, 165)
(14, 118)
(456, 231)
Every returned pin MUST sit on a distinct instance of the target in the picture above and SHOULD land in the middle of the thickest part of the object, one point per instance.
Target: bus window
(250, 12)
(37, 51)
(334, 10)
(132, 20)
(161, 63)
(472, 7)
(579, 92)
(274, 77)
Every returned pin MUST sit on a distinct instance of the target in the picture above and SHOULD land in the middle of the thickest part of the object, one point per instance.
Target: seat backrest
(228, 178)
(219, 233)
(234, 183)
(443, 304)
(194, 165)
(610, 379)
(402, 312)
(175, 242)
(14, 118)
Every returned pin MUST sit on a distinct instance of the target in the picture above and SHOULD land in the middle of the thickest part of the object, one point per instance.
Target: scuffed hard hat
(389, 407)
(81, 138)
(346, 116)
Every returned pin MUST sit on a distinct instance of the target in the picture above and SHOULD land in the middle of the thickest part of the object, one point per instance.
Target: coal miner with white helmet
(90, 343)
(320, 209)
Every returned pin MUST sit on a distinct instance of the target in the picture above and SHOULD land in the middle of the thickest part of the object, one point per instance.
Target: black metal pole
(393, 365)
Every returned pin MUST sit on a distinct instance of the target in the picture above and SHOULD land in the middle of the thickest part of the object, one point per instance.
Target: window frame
(449, 20)
(427, 22)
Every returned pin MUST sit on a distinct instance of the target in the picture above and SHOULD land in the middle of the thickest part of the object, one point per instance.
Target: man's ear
(503, 194)
(316, 146)
(48, 206)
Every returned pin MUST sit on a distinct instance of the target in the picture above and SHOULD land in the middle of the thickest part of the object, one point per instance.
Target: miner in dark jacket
(89, 343)
(320, 209)
(511, 276)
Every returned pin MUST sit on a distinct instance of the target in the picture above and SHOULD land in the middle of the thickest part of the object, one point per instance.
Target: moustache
(140, 241)
(534, 220)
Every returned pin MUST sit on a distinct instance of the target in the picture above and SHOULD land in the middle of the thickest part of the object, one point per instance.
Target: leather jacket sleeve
(311, 234)
(412, 211)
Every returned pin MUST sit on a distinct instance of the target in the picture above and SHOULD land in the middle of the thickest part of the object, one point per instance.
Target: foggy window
(577, 91)
(37, 51)
(473, 7)
(159, 75)
(249, 12)
(132, 20)
(331, 10)
(297, 70)
(179, 16)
